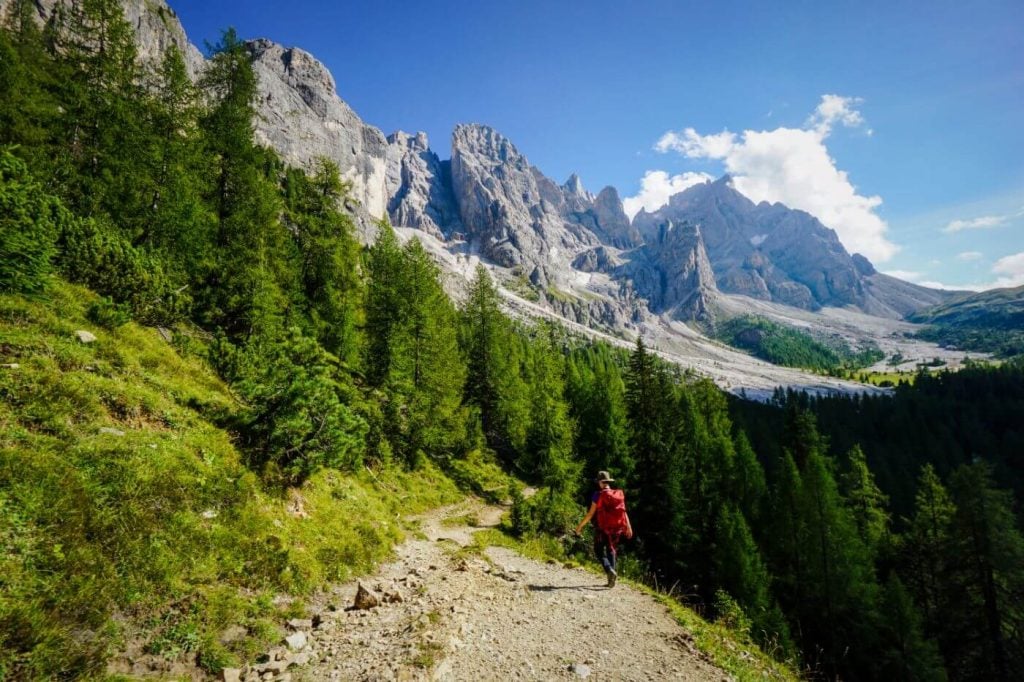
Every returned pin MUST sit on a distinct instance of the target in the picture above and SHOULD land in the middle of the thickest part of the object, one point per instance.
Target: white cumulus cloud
(793, 166)
(981, 223)
(835, 109)
(1010, 270)
(657, 186)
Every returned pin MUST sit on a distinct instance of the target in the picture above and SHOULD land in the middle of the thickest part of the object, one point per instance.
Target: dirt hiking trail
(450, 615)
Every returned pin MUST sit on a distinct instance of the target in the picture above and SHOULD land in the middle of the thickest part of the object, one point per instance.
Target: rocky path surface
(450, 615)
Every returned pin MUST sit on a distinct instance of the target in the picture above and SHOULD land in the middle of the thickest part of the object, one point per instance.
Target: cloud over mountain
(793, 166)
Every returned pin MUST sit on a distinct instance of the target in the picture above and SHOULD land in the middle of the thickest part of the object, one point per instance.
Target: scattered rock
(365, 599)
(209, 514)
(393, 597)
(111, 431)
(300, 623)
(11, 365)
(85, 336)
(165, 334)
(296, 641)
(581, 670)
(231, 675)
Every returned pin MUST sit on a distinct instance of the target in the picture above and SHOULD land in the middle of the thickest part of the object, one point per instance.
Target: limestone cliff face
(419, 187)
(511, 211)
(156, 28)
(765, 251)
(673, 272)
(300, 115)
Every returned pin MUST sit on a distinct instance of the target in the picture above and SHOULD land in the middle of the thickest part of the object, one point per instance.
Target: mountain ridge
(576, 252)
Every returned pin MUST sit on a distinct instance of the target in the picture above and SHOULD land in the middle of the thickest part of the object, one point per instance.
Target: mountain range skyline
(895, 128)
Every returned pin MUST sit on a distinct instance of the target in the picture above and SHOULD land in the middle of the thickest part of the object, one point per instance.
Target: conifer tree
(928, 546)
(865, 500)
(742, 573)
(329, 254)
(385, 305)
(748, 486)
(494, 383)
(428, 369)
(839, 611)
(177, 220)
(906, 653)
(241, 294)
(102, 139)
(596, 395)
(989, 565)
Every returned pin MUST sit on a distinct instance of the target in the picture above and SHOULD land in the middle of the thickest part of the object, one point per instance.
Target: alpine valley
(561, 252)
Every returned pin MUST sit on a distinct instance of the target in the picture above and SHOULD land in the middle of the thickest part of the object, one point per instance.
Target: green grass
(160, 536)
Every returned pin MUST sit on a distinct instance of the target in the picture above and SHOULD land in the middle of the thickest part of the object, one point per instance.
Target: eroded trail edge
(449, 614)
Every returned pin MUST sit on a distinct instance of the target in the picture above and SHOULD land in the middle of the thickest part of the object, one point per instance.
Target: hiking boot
(612, 577)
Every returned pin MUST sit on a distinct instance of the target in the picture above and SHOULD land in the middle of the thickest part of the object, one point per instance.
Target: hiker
(612, 523)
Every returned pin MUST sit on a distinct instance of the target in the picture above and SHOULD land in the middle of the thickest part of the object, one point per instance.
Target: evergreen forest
(857, 538)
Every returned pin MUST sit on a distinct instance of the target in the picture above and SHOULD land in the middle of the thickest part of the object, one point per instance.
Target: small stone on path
(581, 669)
(296, 641)
(365, 599)
(85, 336)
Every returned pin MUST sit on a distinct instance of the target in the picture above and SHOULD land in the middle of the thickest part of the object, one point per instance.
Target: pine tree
(747, 481)
(989, 563)
(928, 546)
(28, 109)
(839, 611)
(177, 222)
(494, 384)
(329, 253)
(906, 653)
(428, 369)
(385, 306)
(102, 137)
(865, 500)
(743, 574)
(596, 395)
(242, 293)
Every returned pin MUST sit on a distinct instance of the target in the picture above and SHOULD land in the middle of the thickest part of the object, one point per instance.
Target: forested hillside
(305, 365)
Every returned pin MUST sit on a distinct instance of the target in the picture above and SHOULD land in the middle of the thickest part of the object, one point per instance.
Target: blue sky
(916, 159)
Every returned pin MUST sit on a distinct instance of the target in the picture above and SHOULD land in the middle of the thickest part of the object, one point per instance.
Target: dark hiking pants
(606, 549)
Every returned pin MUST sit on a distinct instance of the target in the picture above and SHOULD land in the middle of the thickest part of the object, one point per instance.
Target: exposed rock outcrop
(766, 251)
(673, 273)
(156, 28)
(300, 115)
(511, 211)
(419, 187)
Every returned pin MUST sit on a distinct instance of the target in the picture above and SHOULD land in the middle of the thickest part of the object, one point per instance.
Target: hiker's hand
(629, 533)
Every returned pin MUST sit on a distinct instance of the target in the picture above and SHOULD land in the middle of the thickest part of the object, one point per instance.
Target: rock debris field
(441, 614)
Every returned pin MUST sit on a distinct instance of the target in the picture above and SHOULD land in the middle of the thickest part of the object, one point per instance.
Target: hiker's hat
(604, 477)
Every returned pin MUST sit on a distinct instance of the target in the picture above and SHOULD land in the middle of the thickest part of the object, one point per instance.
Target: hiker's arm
(586, 519)
(629, 528)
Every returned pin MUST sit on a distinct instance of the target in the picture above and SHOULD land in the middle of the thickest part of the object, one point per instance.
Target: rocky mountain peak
(673, 272)
(574, 186)
(300, 115)
(419, 187)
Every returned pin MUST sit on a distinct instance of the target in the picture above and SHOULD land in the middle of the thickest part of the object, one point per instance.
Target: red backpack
(611, 511)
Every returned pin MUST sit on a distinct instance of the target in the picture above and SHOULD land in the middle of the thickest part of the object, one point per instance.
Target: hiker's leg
(613, 553)
(604, 552)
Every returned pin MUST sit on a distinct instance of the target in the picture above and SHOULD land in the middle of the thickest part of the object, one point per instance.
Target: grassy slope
(161, 538)
(160, 534)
